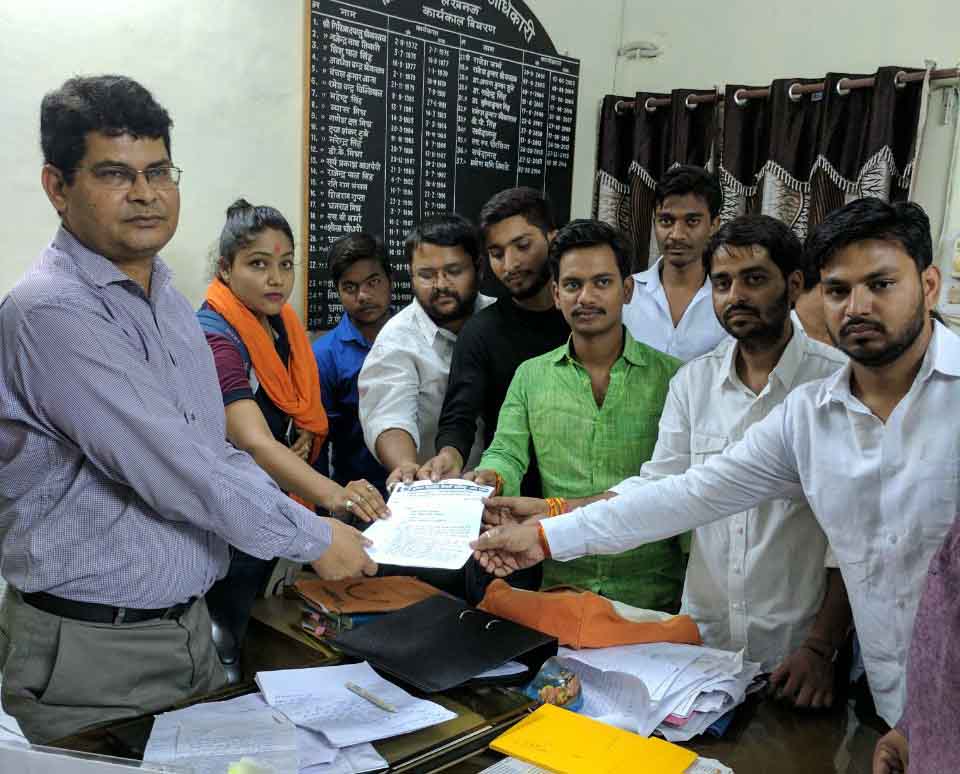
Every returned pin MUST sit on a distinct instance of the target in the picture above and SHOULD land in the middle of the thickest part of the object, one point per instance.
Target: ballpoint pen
(365, 694)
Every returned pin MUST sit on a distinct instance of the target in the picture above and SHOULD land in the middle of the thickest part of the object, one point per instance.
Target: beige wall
(230, 73)
(747, 41)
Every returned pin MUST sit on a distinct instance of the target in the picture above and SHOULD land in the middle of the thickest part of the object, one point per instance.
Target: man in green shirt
(591, 409)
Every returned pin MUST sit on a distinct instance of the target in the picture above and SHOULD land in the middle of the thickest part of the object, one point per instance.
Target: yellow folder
(566, 743)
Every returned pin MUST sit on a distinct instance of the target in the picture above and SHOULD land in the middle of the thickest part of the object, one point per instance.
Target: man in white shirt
(404, 377)
(671, 309)
(873, 448)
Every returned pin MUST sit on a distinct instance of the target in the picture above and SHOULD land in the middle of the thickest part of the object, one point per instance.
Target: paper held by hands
(431, 524)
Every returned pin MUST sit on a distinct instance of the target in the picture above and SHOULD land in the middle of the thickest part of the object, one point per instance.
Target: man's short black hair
(528, 202)
(904, 223)
(589, 233)
(774, 235)
(111, 104)
(687, 179)
(451, 230)
(352, 248)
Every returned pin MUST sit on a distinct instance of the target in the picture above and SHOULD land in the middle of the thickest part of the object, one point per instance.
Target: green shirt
(583, 449)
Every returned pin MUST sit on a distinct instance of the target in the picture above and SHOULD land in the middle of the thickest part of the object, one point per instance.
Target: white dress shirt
(647, 317)
(884, 493)
(404, 378)
(755, 580)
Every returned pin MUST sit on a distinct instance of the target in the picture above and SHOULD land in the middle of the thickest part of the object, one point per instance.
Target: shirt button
(901, 604)
(893, 540)
(739, 530)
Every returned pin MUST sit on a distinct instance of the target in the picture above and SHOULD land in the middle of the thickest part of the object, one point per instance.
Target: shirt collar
(101, 271)
(785, 371)
(429, 329)
(942, 355)
(633, 351)
(350, 332)
(649, 281)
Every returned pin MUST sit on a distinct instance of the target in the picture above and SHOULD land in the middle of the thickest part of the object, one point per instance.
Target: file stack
(676, 690)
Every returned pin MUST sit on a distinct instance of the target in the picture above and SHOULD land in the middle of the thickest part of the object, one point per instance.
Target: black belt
(97, 613)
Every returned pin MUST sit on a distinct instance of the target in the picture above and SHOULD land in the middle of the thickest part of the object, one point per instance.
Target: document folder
(441, 642)
(566, 743)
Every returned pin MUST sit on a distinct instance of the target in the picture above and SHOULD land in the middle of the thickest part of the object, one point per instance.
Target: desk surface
(764, 737)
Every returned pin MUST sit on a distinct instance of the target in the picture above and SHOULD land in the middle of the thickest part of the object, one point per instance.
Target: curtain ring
(842, 90)
(898, 81)
(739, 100)
(463, 613)
(794, 97)
(491, 623)
(648, 107)
(687, 105)
(618, 107)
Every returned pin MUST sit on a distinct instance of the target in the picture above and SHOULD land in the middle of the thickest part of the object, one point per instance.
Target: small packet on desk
(556, 685)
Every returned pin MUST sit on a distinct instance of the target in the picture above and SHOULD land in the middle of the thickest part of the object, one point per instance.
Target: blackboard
(418, 107)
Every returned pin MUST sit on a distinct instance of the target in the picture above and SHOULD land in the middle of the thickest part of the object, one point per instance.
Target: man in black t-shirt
(517, 227)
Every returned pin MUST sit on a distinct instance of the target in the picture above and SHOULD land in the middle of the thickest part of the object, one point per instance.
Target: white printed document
(431, 524)
(318, 699)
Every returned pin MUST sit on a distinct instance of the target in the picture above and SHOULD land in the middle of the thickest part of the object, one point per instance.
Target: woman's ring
(348, 505)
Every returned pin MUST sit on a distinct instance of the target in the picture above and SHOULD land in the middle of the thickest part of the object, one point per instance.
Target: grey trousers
(62, 675)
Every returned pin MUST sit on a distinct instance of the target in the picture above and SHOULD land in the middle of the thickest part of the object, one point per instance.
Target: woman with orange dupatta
(271, 391)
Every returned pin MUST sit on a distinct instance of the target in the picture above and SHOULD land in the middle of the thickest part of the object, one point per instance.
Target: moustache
(671, 245)
(581, 310)
(732, 310)
(436, 295)
(872, 324)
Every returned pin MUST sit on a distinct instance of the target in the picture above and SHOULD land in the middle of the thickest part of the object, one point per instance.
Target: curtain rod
(797, 89)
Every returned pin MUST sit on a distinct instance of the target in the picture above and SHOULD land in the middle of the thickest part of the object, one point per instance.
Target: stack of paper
(246, 727)
(678, 690)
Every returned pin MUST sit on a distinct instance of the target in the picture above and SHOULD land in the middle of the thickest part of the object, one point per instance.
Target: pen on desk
(365, 694)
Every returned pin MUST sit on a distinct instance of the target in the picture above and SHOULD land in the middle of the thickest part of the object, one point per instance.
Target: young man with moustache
(589, 412)
(119, 495)
(670, 309)
(404, 378)
(516, 226)
(361, 273)
(868, 447)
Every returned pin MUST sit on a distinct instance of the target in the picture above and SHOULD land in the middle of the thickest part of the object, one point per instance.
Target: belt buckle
(119, 615)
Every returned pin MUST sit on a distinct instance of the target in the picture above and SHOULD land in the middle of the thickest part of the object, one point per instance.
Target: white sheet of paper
(351, 760)
(317, 699)
(209, 740)
(430, 525)
(513, 766)
(504, 670)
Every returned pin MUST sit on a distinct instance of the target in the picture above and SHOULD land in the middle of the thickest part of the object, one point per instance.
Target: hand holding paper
(431, 524)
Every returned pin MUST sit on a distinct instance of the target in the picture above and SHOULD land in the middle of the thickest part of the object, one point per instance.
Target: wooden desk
(765, 738)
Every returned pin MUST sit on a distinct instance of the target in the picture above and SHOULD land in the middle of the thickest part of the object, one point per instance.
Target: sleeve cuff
(564, 536)
(312, 537)
(373, 431)
(830, 561)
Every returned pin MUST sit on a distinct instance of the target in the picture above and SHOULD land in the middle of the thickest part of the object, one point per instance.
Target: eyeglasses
(122, 178)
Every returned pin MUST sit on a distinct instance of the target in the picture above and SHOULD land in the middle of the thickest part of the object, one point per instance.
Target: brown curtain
(611, 188)
(797, 160)
(794, 159)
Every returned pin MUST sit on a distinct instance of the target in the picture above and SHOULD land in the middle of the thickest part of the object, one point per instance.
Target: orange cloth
(295, 390)
(582, 619)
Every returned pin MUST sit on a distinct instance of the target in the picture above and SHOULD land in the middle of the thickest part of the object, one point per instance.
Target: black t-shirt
(492, 344)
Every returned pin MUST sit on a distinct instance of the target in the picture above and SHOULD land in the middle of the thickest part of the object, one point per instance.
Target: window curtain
(799, 159)
(795, 159)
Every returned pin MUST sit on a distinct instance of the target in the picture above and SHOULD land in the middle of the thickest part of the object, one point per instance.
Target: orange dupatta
(294, 390)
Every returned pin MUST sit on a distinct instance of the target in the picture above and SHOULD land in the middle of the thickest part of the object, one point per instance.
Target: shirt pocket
(704, 446)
